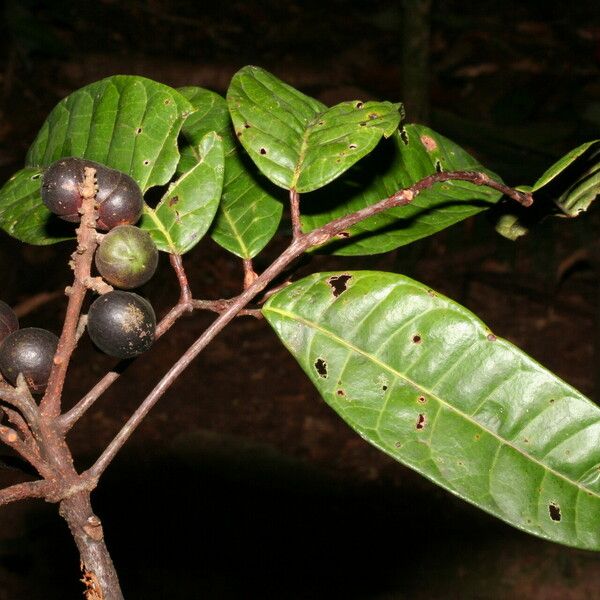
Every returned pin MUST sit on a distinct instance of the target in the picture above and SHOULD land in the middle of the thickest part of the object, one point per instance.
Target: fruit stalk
(82, 263)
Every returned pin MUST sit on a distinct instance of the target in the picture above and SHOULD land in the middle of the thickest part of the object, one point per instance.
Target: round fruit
(60, 188)
(121, 324)
(119, 197)
(8, 320)
(127, 257)
(29, 351)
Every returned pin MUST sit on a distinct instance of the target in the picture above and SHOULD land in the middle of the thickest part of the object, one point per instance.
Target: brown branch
(82, 263)
(295, 214)
(185, 294)
(220, 306)
(20, 398)
(68, 419)
(21, 491)
(28, 451)
(17, 421)
(249, 273)
(299, 245)
(32, 303)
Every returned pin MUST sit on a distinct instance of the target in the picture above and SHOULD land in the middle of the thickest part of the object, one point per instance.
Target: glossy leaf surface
(24, 216)
(185, 212)
(295, 140)
(251, 207)
(412, 154)
(128, 123)
(424, 380)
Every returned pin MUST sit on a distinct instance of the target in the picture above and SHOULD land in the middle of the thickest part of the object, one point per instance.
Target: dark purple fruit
(122, 324)
(119, 197)
(8, 320)
(60, 188)
(127, 257)
(29, 351)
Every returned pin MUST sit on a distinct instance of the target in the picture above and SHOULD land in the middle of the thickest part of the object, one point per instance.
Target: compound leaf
(425, 381)
(295, 140)
(185, 212)
(250, 211)
(412, 154)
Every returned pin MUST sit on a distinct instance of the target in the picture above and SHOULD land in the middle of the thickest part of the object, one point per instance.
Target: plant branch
(20, 398)
(21, 491)
(185, 294)
(295, 214)
(249, 273)
(298, 245)
(82, 263)
(68, 419)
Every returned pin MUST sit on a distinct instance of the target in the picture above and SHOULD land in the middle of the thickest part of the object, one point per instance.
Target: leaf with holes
(412, 154)
(127, 123)
(24, 216)
(250, 211)
(186, 211)
(424, 380)
(295, 140)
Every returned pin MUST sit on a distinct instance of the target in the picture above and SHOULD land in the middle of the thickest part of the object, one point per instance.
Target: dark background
(242, 483)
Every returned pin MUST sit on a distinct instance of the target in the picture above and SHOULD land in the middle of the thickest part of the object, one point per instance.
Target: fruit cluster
(120, 323)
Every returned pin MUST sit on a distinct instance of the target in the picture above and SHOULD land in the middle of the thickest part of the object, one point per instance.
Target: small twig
(30, 304)
(295, 214)
(250, 274)
(20, 397)
(21, 491)
(15, 419)
(98, 285)
(220, 306)
(81, 325)
(82, 263)
(299, 245)
(68, 419)
(30, 453)
(185, 294)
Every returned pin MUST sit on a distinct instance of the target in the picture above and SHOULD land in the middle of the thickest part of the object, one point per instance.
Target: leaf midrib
(425, 390)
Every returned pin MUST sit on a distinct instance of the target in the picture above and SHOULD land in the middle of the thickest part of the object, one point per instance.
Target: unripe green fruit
(119, 197)
(121, 324)
(8, 320)
(29, 351)
(127, 257)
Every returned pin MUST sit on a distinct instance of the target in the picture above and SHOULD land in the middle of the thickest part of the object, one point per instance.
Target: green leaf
(424, 380)
(572, 183)
(128, 123)
(580, 170)
(250, 210)
(412, 154)
(186, 211)
(24, 216)
(295, 140)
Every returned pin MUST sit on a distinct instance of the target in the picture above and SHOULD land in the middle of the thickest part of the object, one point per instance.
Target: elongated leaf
(295, 140)
(24, 216)
(250, 210)
(412, 154)
(424, 380)
(572, 183)
(128, 123)
(186, 211)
